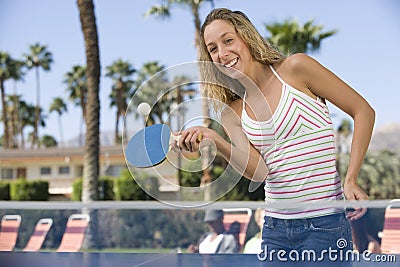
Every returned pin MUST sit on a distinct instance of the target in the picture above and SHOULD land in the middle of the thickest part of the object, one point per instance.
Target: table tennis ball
(144, 109)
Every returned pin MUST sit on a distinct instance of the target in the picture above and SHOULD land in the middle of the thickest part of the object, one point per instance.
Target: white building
(59, 166)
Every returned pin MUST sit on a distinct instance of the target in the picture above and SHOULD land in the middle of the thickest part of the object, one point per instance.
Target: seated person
(218, 240)
(253, 246)
(234, 229)
(361, 239)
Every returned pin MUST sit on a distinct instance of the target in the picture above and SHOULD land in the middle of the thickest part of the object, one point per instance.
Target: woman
(281, 131)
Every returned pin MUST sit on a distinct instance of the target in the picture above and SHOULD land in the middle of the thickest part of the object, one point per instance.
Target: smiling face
(226, 47)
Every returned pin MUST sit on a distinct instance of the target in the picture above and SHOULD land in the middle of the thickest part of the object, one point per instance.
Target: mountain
(386, 137)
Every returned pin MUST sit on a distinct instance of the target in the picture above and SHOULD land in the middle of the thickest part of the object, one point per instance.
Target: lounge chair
(9, 232)
(235, 216)
(74, 233)
(39, 234)
(390, 242)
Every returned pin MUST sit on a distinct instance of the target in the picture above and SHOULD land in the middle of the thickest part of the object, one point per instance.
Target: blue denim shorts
(330, 233)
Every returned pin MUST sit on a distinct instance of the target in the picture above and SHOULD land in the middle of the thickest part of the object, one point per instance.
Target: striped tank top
(297, 144)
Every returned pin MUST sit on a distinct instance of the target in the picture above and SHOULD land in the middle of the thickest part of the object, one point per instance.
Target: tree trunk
(14, 121)
(120, 110)
(92, 119)
(5, 118)
(116, 135)
(206, 178)
(35, 138)
(61, 131)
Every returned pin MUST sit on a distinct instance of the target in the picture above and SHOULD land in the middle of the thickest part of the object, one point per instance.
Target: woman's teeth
(231, 63)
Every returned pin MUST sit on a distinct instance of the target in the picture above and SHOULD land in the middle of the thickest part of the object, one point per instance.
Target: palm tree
(344, 131)
(92, 145)
(290, 37)
(150, 90)
(14, 124)
(183, 88)
(58, 105)
(39, 57)
(120, 72)
(26, 117)
(342, 139)
(9, 69)
(48, 141)
(77, 88)
(41, 123)
(22, 115)
(163, 11)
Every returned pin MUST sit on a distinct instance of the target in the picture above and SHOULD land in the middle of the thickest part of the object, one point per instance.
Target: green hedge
(106, 189)
(5, 191)
(127, 188)
(191, 178)
(25, 190)
(77, 190)
(122, 188)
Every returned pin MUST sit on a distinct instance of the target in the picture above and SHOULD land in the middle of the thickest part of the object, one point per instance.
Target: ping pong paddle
(150, 146)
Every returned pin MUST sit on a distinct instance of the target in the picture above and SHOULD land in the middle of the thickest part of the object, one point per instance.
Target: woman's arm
(322, 82)
(240, 153)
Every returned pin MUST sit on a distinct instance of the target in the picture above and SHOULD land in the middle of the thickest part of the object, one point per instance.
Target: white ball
(144, 109)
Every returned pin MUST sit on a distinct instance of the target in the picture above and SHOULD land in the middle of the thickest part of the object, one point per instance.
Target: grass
(121, 250)
(132, 250)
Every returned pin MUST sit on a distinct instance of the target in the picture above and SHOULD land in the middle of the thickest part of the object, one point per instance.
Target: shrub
(77, 190)
(127, 188)
(5, 191)
(191, 178)
(238, 191)
(106, 189)
(24, 190)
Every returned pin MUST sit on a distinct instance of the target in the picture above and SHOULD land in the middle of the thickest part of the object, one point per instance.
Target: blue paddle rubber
(149, 147)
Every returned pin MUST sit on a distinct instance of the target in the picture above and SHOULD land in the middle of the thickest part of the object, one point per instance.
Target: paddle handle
(177, 137)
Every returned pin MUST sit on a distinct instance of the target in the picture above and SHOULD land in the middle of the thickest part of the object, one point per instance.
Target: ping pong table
(107, 259)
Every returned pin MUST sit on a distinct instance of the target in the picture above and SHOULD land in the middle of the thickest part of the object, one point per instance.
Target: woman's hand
(352, 191)
(190, 139)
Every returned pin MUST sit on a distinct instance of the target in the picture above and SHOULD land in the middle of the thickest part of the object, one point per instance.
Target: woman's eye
(228, 40)
(212, 49)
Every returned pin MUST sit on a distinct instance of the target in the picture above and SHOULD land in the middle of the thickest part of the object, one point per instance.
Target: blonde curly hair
(218, 86)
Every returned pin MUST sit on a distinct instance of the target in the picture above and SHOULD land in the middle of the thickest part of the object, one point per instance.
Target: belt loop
(270, 222)
(288, 222)
(306, 223)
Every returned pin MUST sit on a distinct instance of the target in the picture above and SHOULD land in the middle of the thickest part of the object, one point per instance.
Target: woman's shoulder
(235, 106)
(299, 69)
(295, 62)
(232, 112)
(294, 69)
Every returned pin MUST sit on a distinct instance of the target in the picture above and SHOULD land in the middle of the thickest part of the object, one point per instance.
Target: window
(79, 171)
(114, 170)
(63, 170)
(45, 170)
(7, 173)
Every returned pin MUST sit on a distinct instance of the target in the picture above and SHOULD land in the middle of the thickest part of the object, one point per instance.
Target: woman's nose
(223, 54)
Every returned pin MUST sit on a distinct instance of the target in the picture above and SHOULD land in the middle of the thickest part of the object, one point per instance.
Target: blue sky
(365, 51)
